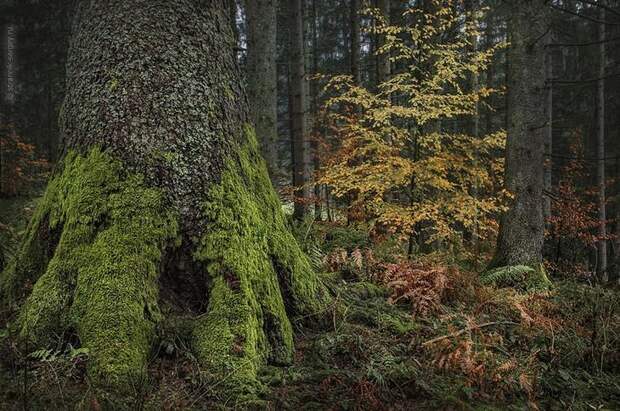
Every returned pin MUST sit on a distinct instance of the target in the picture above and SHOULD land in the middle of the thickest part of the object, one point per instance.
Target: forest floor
(400, 334)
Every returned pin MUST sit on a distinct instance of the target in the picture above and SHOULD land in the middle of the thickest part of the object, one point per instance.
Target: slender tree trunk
(522, 226)
(549, 131)
(354, 27)
(490, 75)
(600, 169)
(262, 76)
(472, 7)
(384, 67)
(161, 197)
(298, 105)
(314, 97)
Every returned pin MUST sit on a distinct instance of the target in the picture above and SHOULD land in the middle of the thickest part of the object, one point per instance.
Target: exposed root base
(255, 262)
(95, 248)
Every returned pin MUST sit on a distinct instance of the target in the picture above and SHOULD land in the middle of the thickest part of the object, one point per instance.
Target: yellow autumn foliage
(393, 150)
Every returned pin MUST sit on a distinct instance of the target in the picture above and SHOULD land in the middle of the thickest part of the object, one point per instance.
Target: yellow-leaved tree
(394, 152)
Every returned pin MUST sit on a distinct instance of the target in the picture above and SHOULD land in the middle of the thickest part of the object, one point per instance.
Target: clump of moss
(260, 276)
(99, 276)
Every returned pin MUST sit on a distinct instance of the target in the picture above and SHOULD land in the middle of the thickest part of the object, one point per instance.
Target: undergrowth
(423, 333)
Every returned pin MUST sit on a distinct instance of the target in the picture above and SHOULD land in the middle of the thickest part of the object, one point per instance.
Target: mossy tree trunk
(161, 204)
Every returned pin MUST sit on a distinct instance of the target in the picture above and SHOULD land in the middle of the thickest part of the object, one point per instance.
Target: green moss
(101, 280)
(30, 260)
(254, 262)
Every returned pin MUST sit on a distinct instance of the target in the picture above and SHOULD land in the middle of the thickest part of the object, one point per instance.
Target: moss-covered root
(101, 280)
(260, 276)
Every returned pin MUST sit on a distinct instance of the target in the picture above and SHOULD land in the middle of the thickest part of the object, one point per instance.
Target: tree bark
(160, 199)
(262, 76)
(600, 166)
(297, 108)
(522, 226)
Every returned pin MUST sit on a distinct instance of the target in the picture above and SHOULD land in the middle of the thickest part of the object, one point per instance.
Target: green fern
(517, 276)
(316, 256)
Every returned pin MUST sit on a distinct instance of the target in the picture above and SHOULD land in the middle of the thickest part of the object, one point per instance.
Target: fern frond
(517, 276)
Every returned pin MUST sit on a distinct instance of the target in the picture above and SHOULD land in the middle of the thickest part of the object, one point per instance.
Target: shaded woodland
(343, 204)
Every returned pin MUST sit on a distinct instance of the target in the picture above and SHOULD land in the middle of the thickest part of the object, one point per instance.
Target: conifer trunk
(262, 75)
(600, 164)
(522, 226)
(297, 108)
(161, 204)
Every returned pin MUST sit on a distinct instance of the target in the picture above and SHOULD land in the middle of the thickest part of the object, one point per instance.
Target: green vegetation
(482, 346)
(255, 262)
(92, 251)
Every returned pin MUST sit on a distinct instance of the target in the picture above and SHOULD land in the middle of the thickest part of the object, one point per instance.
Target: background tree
(297, 108)
(262, 75)
(600, 145)
(521, 232)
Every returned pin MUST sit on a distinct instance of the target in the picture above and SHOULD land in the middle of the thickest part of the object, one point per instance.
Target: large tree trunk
(262, 75)
(522, 226)
(161, 204)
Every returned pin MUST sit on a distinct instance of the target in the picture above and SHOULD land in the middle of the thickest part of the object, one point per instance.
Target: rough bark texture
(297, 107)
(161, 194)
(522, 226)
(137, 87)
(262, 75)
